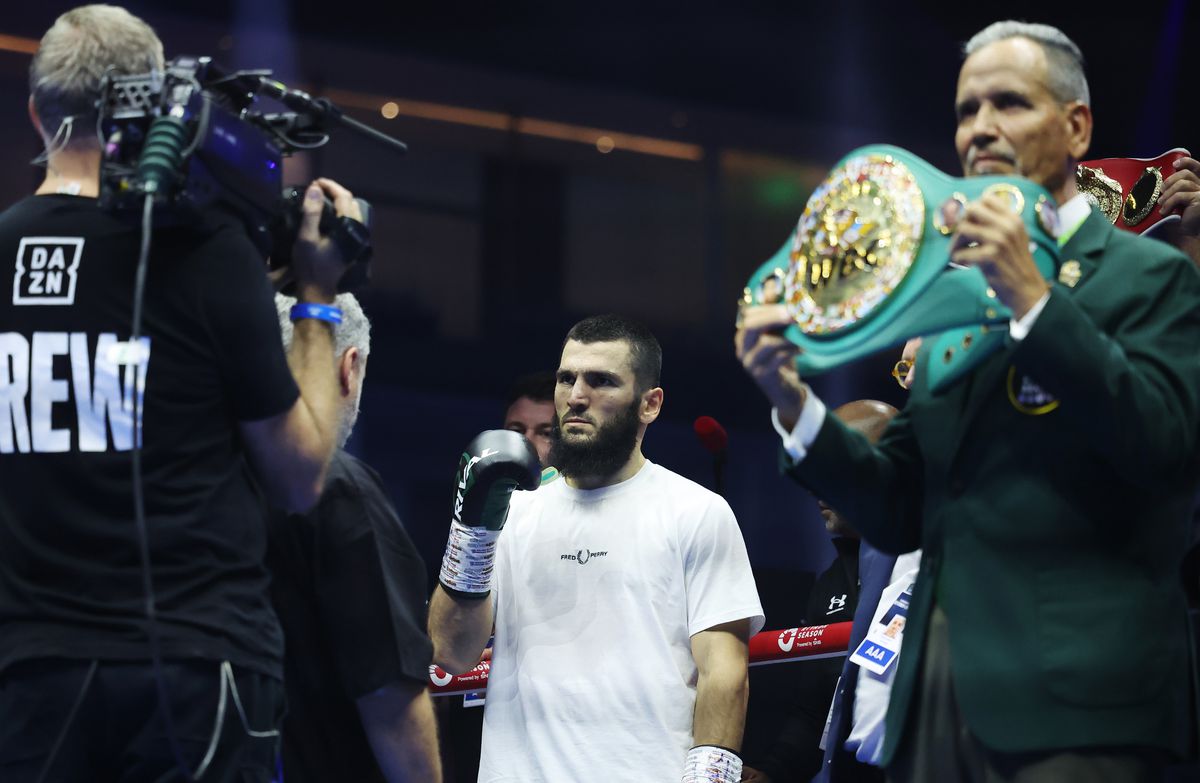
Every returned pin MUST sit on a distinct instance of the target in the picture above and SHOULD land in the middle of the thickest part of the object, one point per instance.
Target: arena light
(602, 139)
(17, 44)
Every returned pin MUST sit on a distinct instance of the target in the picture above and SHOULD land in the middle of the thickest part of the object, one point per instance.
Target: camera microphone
(323, 109)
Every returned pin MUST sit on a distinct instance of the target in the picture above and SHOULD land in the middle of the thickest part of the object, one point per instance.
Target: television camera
(193, 137)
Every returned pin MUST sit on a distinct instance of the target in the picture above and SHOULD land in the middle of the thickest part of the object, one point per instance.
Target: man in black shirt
(350, 591)
(215, 401)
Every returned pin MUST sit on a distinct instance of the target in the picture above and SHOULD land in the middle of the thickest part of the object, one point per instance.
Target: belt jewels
(867, 266)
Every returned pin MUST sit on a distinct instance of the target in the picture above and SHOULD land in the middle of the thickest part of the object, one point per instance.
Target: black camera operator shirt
(350, 590)
(70, 578)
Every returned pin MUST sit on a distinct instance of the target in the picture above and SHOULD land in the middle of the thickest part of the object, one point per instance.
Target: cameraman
(215, 398)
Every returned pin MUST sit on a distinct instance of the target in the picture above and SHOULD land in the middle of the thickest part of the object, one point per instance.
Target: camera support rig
(192, 137)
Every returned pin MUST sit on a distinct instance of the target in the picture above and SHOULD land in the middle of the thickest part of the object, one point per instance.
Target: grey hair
(1064, 60)
(79, 48)
(353, 332)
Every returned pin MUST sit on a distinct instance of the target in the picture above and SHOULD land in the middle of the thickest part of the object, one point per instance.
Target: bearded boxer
(620, 592)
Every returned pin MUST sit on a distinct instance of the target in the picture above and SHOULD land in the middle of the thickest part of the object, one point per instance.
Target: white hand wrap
(470, 555)
(711, 764)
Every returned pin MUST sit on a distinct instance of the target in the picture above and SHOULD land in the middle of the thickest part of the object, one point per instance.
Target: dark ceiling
(885, 66)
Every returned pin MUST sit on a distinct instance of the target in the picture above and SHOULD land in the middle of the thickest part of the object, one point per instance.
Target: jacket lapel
(981, 382)
(1084, 250)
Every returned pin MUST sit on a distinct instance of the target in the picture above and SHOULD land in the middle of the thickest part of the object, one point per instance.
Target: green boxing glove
(494, 464)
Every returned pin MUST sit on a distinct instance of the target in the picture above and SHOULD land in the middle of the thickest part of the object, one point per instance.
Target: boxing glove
(494, 464)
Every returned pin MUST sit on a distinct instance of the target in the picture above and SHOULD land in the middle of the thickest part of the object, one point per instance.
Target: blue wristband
(319, 311)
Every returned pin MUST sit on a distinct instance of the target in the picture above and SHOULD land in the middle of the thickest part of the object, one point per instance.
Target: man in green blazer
(1050, 489)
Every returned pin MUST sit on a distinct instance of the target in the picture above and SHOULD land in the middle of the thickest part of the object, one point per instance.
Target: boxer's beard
(603, 454)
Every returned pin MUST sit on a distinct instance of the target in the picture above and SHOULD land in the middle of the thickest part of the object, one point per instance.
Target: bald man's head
(870, 417)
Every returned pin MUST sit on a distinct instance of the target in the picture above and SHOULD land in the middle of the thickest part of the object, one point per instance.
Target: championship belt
(868, 265)
(1126, 190)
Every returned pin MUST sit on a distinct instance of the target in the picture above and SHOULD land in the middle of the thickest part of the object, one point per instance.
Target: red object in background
(789, 644)
(711, 434)
(715, 441)
(792, 644)
(1126, 190)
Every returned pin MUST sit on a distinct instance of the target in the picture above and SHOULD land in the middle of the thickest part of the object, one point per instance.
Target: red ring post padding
(789, 644)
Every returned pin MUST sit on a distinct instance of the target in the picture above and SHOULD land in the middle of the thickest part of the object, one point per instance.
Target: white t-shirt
(874, 691)
(597, 594)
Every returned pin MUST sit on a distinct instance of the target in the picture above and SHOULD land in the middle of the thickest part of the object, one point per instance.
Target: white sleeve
(1018, 329)
(716, 570)
(812, 416)
(507, 539)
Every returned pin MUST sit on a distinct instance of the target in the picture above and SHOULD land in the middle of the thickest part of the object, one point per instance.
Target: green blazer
(1052, 529)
